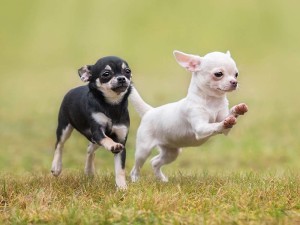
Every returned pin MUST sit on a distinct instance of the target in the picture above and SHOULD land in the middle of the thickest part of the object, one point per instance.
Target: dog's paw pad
(116, 148)
(241, 109)
(229, 122)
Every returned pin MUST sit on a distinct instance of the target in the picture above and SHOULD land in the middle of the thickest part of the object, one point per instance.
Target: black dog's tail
(139, 104)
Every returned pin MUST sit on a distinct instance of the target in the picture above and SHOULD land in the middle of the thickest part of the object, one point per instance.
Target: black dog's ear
(85, 73)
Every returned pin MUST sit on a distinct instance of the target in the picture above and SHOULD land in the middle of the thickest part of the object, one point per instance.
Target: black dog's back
(72, 112)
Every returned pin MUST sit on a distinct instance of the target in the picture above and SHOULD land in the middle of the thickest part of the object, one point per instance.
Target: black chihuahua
(99, 112)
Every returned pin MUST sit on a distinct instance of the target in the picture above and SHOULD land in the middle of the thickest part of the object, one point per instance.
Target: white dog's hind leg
(167, 155)
(143, 150)
(89, 164)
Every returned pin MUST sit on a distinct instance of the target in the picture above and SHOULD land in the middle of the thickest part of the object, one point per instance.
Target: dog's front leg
(222, 115)
(99, 136)
(119, 134)
(119, 153)
(235, 111)
(120, 159)
(110, 145)
(203, 129)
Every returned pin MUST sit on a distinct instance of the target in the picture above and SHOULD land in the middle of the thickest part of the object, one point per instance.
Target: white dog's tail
(138, 103)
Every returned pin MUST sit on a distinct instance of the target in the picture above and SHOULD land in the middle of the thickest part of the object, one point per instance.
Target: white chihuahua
(193, 120)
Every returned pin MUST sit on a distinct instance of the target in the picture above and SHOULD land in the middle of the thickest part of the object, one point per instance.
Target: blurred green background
(43, 43)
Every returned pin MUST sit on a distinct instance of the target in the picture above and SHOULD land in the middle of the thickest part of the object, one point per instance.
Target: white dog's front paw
(229, 122)
(240, 109)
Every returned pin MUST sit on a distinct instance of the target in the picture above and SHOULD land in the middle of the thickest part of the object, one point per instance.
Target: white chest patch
(102, 119)
(121, 131)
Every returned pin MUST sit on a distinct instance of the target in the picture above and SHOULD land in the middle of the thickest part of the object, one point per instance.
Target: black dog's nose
(234, 83)
(121, 80)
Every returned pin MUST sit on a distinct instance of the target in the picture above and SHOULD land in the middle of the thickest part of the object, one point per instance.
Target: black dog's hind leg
(89, 164)
(63, 132)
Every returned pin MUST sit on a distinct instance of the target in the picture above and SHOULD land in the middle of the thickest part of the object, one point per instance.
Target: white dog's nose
(234, 83)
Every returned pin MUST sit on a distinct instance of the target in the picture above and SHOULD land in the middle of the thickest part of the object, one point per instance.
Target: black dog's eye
(218, 74)
(236, 75)
(128, 71)
(105, 74)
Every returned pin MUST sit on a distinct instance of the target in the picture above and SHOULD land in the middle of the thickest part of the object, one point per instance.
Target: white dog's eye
(218, 74)
(236, 75)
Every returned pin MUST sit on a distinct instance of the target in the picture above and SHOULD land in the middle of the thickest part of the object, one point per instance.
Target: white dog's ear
(188, 61)
(228, 53)
(85, 73)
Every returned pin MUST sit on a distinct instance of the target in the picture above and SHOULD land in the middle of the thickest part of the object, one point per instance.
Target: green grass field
(249, 177)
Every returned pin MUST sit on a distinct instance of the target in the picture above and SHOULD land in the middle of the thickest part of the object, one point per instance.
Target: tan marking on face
(107, 67)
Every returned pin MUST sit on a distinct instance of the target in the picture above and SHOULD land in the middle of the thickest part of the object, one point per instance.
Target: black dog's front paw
(112, 146)
(116, 148)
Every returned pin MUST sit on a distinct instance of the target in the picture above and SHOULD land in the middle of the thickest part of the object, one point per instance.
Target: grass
(235, 198)
(249, 177)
